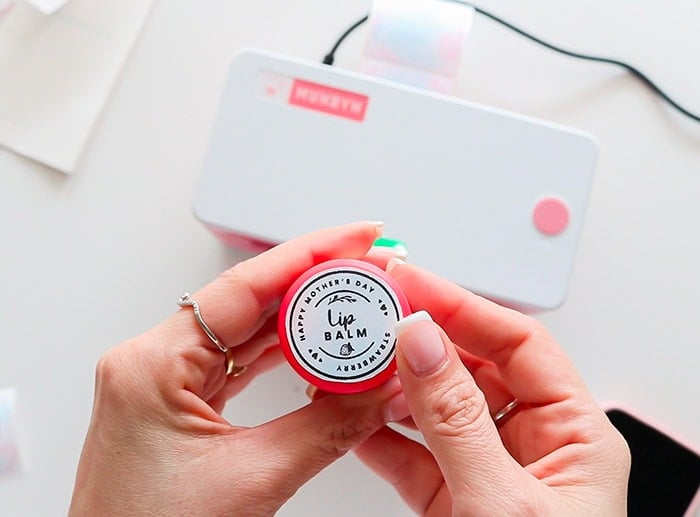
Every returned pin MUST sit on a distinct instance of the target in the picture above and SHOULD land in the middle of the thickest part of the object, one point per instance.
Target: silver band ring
(502, 415)
(231, 368)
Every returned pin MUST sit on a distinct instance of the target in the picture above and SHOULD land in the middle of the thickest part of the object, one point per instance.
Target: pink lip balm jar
(336, 325)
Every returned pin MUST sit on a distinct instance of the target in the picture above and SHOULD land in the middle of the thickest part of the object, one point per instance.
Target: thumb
(450, 410)
(299, 445)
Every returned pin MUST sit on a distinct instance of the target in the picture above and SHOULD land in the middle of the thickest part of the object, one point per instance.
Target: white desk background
(90, 260)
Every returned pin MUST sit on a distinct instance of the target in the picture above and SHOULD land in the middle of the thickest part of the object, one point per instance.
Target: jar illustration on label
(336, 325)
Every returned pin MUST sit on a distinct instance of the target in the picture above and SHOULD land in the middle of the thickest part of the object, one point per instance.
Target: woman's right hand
(556, 455)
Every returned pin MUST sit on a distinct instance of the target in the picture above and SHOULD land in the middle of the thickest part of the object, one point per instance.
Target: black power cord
(330, 57)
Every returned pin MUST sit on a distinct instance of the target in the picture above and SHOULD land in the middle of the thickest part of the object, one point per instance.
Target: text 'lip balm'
(336, 325)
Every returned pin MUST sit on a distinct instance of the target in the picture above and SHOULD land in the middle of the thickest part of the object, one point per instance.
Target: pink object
(9, 448)
(336, 325)
(6, 7)
(329, 100)
(551, 216)
(241, 241)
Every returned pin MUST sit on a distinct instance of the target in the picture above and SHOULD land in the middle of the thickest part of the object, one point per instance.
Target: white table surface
(92, 259)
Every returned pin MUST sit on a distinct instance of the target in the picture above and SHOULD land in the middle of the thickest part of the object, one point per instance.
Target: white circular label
(340, 325)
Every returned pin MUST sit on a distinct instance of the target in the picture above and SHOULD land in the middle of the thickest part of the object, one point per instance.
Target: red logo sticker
(329, 100)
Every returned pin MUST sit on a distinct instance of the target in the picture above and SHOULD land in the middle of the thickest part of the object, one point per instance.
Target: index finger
(531, 364)
(239, 301)
(236, 301)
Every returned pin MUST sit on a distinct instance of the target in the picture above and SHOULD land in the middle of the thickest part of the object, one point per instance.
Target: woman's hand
(556, 455)
(157, 443)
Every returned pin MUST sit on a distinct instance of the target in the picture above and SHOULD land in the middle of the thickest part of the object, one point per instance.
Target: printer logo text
(326, 99)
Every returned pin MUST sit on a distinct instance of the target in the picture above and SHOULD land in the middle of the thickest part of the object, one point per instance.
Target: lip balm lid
(336, 325)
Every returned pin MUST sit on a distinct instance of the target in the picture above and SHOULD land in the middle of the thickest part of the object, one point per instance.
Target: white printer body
(492, 200)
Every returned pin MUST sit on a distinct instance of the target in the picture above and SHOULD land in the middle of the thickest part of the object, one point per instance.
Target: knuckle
(239, 276)
(535, 328)
(528, 506)
(623, 453)
(114, 378)
(237, 279)
(613, 443)
(348, 434)
(106, 369)
(458, 407)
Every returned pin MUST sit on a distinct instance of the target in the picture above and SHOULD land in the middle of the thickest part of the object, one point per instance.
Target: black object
(665, 475)
(330, 57)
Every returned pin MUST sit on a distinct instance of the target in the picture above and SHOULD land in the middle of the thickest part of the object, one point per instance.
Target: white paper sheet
(56, 72)
(47, 6)
(417, 42)
(9, 450)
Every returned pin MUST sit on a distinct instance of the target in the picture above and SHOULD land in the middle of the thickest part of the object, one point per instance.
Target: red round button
(551, 216)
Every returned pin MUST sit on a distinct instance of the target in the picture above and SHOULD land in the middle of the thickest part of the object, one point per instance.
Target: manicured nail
(311, 391)
(394, 262)
(420, 343)
(379, 225)
(401, 253)
(396, 408)
(401, 325)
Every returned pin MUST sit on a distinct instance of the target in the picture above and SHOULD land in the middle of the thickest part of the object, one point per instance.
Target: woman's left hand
(157, 443)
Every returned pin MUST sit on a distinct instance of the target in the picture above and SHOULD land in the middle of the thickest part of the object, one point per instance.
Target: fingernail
(401, 325)
(420, 344)
(379, 225)
(396, 408)
(400, 253)
(310, 391)
(394, 262)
